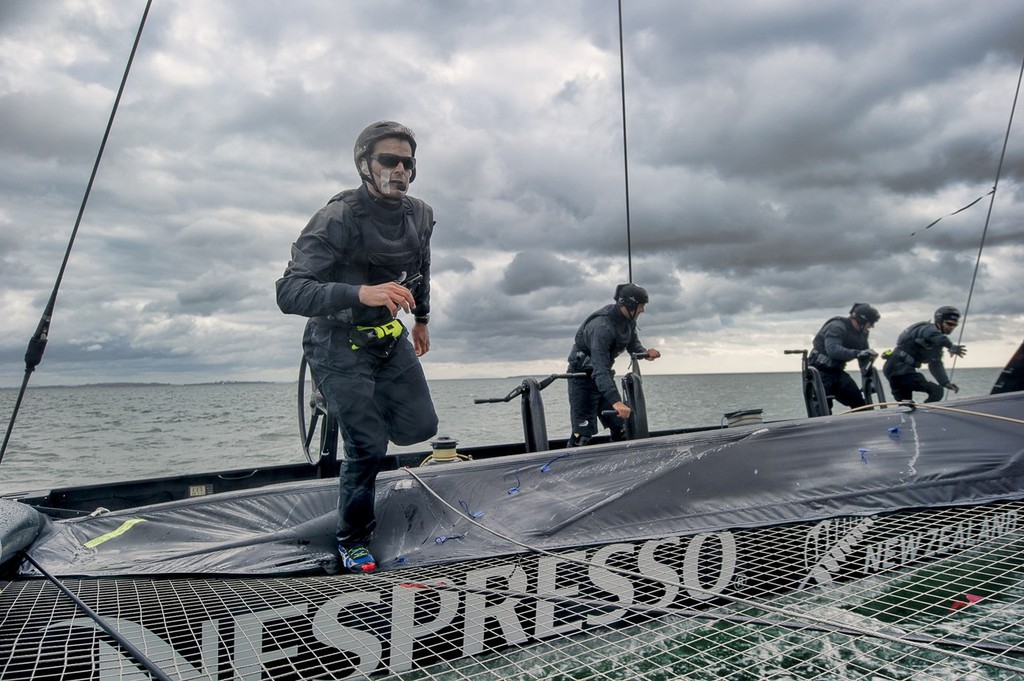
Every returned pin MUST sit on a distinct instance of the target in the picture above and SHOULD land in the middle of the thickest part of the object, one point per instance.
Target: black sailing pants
(374, 400)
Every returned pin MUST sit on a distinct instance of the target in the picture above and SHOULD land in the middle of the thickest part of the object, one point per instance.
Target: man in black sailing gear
(838, 341)
(922, 343)
(362, 259)
(600, 339)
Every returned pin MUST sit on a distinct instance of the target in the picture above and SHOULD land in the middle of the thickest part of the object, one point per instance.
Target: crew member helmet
(947, 313)
(864, 313)
(375, 132)
(630, 296)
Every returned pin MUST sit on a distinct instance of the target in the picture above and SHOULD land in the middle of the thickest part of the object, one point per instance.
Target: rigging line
(625, 148)
(713, 613)
(720, 614)
(37, 344)
(914, 406)
(958, 210)
(988, 216)
(809, 618)
(128, 646)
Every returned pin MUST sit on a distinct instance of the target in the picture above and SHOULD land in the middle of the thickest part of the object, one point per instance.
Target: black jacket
(836, 343)
(354, 241)
(920, 343)
(600, 339)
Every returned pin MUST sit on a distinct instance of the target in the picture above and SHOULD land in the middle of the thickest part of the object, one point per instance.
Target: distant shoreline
(144, 384)
(135, 384)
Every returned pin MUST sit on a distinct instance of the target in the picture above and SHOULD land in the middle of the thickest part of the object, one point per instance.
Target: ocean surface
(92, 434)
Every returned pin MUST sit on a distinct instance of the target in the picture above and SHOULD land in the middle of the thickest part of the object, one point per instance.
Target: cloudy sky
(784, 158)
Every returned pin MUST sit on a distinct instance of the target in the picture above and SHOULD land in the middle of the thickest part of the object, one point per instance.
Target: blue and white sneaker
(356, 559)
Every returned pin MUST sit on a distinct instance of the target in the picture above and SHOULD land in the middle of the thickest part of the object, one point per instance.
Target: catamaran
(885, 542)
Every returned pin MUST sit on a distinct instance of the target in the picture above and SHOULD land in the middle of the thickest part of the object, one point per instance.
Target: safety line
(735, 599)
(913, 406)
(794, 624)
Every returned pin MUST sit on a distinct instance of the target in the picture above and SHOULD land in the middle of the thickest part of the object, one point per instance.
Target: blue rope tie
(546, 467)
(465, 507)
(442, 539)
(515, 490)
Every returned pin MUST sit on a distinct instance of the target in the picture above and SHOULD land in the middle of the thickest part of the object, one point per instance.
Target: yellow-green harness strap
(392, 329)
(125, 526)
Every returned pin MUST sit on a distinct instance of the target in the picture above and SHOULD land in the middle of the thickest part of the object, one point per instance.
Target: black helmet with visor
(375, 132)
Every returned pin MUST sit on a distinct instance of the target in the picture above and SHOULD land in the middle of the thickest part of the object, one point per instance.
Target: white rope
(914, 406)
(811, 619)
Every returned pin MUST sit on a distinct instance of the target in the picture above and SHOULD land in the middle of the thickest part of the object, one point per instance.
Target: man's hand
(958, 350)
(390, 294)
(622, 409)
(421, 339)
(867, 355)
(953, 386)
(653, 354)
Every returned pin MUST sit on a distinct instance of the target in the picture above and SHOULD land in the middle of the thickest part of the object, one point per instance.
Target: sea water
(92, 434)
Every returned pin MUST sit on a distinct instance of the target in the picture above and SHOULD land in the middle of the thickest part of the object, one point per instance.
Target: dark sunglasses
(392, 161)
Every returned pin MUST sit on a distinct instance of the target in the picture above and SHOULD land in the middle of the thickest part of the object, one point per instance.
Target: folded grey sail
(1011, 378)
(967, 451)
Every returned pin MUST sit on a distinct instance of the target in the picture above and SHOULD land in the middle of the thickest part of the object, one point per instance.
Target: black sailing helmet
(865, 314)
(630, 296)
(947, 313)
(374, 132)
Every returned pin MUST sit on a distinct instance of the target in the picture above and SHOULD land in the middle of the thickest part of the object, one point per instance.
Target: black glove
(958, 350)
(953, 386)
(868, 354)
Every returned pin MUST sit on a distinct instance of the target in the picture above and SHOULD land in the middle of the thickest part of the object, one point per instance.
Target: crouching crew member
(838, 341)
(602, 337)
(922, 343)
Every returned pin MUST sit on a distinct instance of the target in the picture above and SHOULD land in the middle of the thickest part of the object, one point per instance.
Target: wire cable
(926, 643)
(988, 216)
(625, 154)
(37, 344)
